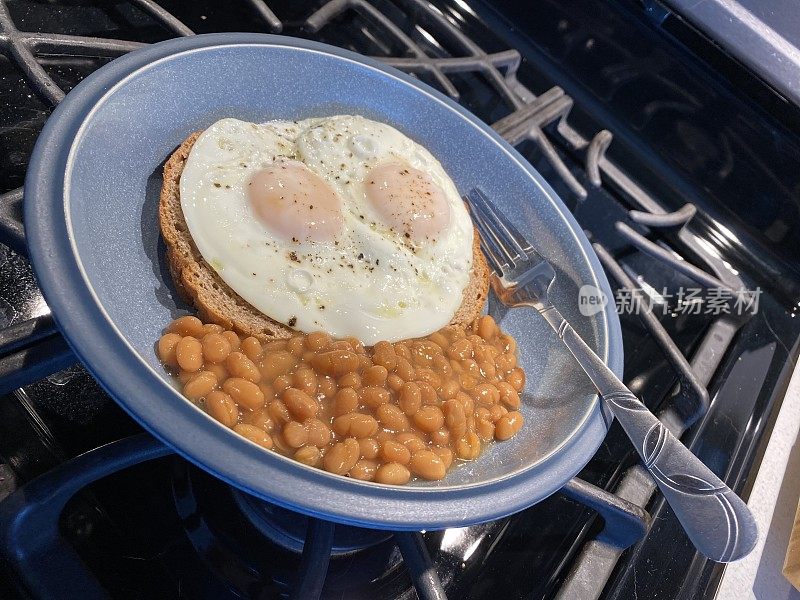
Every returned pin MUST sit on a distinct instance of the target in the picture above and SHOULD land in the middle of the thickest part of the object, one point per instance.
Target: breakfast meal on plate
(339, 284)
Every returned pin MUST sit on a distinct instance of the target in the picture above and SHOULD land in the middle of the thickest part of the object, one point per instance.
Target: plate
(91, 198)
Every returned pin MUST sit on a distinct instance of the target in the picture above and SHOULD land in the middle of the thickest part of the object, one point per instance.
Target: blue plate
(91, 198)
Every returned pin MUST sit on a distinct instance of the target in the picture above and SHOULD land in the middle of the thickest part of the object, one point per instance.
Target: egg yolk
(295, 203)
(407, 200)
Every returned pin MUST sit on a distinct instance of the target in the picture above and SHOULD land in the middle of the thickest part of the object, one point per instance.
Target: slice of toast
(216, 302)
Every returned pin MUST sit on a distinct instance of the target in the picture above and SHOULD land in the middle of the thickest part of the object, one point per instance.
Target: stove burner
(288, 529)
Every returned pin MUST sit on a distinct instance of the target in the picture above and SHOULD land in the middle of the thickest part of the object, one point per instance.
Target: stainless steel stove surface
(678, 162)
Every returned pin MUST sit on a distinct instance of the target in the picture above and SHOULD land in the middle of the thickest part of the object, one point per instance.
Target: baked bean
(393, 451)
(422, 353)
(446, 454)
(233, 339)
(468, 382)
(497, 411)
(300, 404)
(423, 401)
(279, 413)
(508, 425)
(251, 348)
(222, 407)
(517, 379)
(466, 402)
(411, 441)
(486, 327)
(216, 347)
(308, 455)
(438, 338)
(295, 346)
(260, 418)
(305, 379)
(276, 363)
(375, 375)
(393, 474)
(403, 369)
(468, 447)
(345, 401)
(368, 447)
(166, 349)
(200, 385)
(454, 418)
(187, 326)
(442, 366)
(471, 367)
(508, 395)
(448, 389)
(281, 445)
(356, 345)
(509, 343)
(295, 434)
(427, 376)
(374, 396)
(319, 434)
(254, 434)
(485, 429)
(428, 465)
(336, 362)
(475, 340)
(341, 457)
(505, 362)
(384, 355)
(219, 371)
(245, 393)
(410, 398)
(402, 350)
(240, 366)
(486, 394)
(355, 425)
(327, 387)
(487, 370)
(364, 470)
(391, 417)
(427, 393)
(440, 437)
(212, 328)
(394, 382)
(429, 418)
(317, 340)
(274, 346)
(460, 350)
(189, 354)
(350, 380)
(282, 383)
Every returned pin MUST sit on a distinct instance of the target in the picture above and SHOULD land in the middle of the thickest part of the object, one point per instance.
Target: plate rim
(73, 303)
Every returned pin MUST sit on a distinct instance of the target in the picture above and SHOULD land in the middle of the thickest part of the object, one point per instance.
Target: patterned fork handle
(717, 521)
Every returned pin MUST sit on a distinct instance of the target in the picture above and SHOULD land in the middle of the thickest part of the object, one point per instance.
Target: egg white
(372, 283)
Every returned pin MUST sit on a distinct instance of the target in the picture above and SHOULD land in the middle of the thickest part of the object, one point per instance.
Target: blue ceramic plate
(91, 198)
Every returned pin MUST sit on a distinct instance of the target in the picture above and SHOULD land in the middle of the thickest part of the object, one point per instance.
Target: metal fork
(717, 521)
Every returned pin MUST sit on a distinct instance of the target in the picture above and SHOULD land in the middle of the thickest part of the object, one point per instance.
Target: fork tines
(504, 246)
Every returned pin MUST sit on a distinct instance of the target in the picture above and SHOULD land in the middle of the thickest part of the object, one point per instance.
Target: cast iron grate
(440, 53)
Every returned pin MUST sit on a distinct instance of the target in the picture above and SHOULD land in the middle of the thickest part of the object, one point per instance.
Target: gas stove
(677, 160)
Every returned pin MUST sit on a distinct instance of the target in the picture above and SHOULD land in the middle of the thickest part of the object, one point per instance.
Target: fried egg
(339, 224)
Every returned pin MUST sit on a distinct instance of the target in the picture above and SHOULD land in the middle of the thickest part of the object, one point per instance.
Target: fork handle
(717, 521)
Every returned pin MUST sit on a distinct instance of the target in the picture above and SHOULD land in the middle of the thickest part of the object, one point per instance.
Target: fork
(717, 521)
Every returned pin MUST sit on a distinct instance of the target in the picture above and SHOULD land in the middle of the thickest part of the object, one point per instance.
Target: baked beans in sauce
(386, 413)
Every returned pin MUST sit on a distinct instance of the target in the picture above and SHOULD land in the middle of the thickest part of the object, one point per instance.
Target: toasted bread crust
(216, 302)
